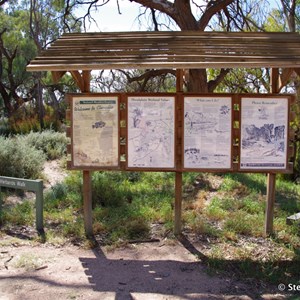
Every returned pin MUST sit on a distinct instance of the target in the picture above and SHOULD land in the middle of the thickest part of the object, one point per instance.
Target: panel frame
(93, 97)
(289, 100)
(145, 96)
(208, 97)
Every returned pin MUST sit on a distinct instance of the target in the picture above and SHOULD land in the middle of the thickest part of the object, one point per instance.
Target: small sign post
(29, 185)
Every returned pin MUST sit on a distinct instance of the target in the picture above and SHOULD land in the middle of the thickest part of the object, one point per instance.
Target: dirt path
(163, 270)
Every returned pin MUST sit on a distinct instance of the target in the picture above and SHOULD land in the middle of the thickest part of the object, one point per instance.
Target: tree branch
(150, 74)
(213, 7)
(212, 84)
(154, 19)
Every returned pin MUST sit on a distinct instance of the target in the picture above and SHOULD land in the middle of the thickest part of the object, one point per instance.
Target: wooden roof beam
(82, 80)
(285, 77)
(57, 75)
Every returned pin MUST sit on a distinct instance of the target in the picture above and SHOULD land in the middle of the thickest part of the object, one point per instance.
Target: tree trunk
(197, 81)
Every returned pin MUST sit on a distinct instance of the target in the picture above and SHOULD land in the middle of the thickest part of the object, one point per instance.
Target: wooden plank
(160, 65)
(92, 51)
(173, 57)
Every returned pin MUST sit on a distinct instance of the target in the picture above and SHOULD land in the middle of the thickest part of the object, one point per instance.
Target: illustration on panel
(264, 133)
(151, 132)
(207, 132)
(95, 132)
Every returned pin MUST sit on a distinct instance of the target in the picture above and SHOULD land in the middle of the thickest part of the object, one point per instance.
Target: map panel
(151, 130)
(95, 137)
(207, 132)
(264, 125)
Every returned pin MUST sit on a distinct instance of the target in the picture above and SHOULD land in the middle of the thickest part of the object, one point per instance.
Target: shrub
(108, 192)
(53, 144)
(20, 160)
(20, 214)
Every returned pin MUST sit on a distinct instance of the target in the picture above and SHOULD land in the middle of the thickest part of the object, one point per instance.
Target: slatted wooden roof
(157, 50)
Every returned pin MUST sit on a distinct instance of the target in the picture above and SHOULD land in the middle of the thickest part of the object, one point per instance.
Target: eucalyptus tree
(225, 15)
(15, 52)
(26, 27)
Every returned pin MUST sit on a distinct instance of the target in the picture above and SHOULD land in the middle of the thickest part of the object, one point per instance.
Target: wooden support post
(271, 182)
(178, 203)
(271, 179)
(39, 206)
(87, 203)
(83, 82)
(178, 175)
(1, 204)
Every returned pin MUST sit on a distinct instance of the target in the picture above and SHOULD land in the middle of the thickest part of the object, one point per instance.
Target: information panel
(95, 131)
(207, 132)
(151, 132)
(264, 133)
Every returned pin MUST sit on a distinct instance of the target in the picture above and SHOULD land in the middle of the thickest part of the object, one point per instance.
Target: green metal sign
(29, 185)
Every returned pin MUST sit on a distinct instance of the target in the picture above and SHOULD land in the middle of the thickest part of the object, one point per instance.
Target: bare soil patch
(161, 270)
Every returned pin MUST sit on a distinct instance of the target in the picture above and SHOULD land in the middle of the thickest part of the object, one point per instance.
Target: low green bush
(17, 159)
(20, 214)
(53, 144)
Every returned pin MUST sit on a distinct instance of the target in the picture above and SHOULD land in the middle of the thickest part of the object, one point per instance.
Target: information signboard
(95, 131)
(264, 133)
(181, 132)
(151, 132)
(207, 142)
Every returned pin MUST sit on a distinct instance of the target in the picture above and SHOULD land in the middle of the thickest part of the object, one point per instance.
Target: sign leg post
(87, 203)
(271, 181)
(1, 203)
(39, 203)
(178, 203)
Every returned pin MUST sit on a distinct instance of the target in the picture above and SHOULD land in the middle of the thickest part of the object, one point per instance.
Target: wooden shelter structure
(80, 53)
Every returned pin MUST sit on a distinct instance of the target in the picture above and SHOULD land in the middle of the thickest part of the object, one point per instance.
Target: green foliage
(111, 189)
(26, 28)
(25, 120)
(124, 203)
(243, 223)
(214, 211)
(53, 144)
(24, 156)
(20, 160)
(20, 214)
